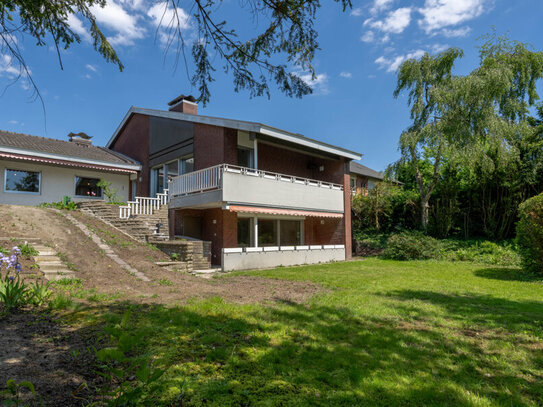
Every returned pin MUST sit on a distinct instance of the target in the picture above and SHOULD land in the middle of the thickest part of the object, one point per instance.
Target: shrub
(412, 246)
(530, 234)
(485, 252)
(27, 250)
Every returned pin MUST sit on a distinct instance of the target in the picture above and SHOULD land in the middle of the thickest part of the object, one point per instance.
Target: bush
(530, 234)
(412, 246)
(484, 252)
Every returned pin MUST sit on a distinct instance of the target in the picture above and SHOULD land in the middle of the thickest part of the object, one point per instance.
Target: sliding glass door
(163, 173)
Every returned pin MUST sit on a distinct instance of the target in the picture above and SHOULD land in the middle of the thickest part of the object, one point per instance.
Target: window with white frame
(87, 187)
(28, 182)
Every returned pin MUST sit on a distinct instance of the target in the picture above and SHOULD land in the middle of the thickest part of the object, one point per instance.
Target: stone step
(52, 265)
(52, 257)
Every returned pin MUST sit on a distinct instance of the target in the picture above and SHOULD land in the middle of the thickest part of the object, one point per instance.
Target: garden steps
(139, 227)
(50, 264)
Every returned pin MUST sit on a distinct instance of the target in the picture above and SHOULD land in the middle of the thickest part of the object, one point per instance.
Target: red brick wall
(347, 213)
(276, 159)
(331, 232)
(222, 233)
(133, 141)
(214, 145)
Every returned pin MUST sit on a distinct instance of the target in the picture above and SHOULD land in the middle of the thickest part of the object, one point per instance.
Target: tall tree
(475, 119)
(427, 81)
(282, 49)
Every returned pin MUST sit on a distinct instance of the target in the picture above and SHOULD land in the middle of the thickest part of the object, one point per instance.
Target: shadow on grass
(220, 354)
(507, 274)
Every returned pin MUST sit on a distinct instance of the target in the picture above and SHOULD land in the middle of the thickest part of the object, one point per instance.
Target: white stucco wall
(247, 260)
(56, 182)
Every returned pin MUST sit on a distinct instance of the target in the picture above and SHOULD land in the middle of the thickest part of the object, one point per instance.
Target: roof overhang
(251, 127)
(27, 155)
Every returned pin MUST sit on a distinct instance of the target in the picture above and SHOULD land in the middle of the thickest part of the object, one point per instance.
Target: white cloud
(395, 22)
(439, 14)
(87, 76)
(91, 68)
(346, 75)
(13, 122)
(125, 25)
(356, 12)
(458, 32)
(393, 63)
(368, 36)
(77, 27)
(437, 48)
(319, 84)
(166, 19)
(6, 66)
(380, 5)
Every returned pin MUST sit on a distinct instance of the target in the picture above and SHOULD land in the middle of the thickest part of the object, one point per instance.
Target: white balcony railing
(143, 205)
(211, 178)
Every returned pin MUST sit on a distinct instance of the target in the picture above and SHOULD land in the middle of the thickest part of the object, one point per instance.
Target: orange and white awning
(284, 212)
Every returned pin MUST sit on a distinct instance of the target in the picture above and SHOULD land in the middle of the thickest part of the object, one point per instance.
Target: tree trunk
(424, 209)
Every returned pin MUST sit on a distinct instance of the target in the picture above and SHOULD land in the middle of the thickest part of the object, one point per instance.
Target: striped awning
(286, 212)
(53, 161)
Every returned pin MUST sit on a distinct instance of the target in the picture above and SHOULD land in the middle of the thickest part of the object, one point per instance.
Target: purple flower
(11, 278)
(16, 250)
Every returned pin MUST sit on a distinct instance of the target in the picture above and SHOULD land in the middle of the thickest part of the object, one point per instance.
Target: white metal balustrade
(211, 178)
(143, 205)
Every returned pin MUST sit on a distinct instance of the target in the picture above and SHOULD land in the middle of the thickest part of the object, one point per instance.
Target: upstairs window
(87, 187)
(246, 157)
(186, 165)
(28, 182)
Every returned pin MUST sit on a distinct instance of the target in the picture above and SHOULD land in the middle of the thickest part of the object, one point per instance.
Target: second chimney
(184, 104)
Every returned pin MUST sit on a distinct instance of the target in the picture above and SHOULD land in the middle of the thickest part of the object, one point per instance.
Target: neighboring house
(363, 178)
(35, 170)
(262, 196)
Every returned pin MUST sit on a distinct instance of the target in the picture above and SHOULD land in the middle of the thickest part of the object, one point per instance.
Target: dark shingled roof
(360, 169)
(60, 147)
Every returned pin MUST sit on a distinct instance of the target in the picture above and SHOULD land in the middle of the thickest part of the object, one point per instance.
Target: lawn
(380, 333)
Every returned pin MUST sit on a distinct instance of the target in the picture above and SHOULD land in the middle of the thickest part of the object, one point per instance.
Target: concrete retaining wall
(257, 258)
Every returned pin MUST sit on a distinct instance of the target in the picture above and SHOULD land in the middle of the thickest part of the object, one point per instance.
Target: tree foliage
(473, 152)
(281, 51)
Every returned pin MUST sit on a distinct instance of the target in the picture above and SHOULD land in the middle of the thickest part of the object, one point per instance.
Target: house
(262, 196)
(363, 178)
(35, 170)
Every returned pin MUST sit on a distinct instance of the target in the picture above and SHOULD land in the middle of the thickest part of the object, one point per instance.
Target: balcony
(228, 184)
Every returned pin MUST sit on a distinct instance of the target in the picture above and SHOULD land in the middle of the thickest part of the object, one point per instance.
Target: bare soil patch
(98, 272)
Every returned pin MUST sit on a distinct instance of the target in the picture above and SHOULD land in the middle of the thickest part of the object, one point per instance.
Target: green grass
(382, 333)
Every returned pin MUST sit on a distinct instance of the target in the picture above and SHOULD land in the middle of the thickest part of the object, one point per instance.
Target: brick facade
(133, 141)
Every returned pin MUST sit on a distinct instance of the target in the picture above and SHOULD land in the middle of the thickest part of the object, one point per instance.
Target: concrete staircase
(50, 264)
(140, 227)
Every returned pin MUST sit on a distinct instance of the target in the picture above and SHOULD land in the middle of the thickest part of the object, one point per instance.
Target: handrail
(143, 205)
(211, 178)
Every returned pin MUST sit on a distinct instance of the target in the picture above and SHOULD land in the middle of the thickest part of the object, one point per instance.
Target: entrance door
(192, 227)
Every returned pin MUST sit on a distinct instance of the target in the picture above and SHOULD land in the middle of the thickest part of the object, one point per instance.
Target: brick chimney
(184, 104)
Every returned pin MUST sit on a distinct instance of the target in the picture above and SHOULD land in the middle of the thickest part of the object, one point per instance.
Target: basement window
(87, 187)
(25, 182)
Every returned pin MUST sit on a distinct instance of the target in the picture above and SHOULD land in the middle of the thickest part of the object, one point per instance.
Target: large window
(290, 232)
(186, 165)
(245, 226)
(267, 232)
(272, 232)
(22, 181)
(87, 187)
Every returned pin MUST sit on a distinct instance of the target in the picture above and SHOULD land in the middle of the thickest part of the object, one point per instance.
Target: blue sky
(352, 105)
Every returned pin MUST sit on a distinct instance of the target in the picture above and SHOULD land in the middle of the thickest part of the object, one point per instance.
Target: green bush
(412, 246)
(484, 252)
(530, 234)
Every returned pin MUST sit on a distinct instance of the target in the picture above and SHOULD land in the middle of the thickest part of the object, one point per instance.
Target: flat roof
(252, 127)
